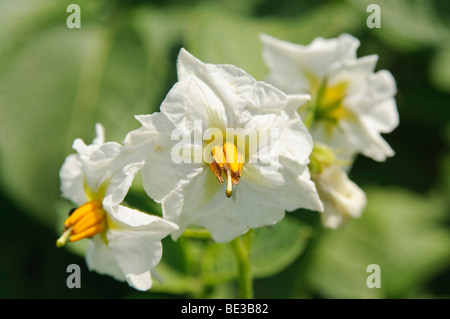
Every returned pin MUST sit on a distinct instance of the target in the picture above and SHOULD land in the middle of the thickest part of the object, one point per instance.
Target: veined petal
(259, 199)
(73, 170)
(382, 87)
(98, 167)
(229, 83)
(292, 65)
(161, 175)
(127, 219)
(342, 198)
(382, 117)
(345, 149)
(87, 150)
(294, 102)
(295, 191)
(142, 281)
(72, 180)
(237, 90)
(120, 183)
(135, 242)
(202, 202)
(370, 99)
(100, 259)
(351, 105)
(356, 74)
(369, 143)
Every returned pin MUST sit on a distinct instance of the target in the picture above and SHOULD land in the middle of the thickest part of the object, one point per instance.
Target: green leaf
(400, 231)
(218, 264)
(276, 247)
(56, 83)
(175, 282)
(440, 69)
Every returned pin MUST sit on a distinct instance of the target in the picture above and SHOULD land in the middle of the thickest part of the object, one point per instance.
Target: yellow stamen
(231, 155)
(227, 160)
(82, 211)
(86, 221)
(94, 230)
(331, 105)
(219, 156)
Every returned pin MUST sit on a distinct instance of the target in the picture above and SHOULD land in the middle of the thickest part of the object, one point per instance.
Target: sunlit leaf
(273, 248)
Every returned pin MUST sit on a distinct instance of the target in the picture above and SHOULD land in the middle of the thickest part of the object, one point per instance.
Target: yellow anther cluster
(227, 160)
(86, 221)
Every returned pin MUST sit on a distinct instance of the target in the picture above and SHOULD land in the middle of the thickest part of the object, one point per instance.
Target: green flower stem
(314, 108)
(197, 233)
(241, 249)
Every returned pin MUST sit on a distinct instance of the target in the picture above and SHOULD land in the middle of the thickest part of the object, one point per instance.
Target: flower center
(227, 160)
(85, 221)
(330, 102)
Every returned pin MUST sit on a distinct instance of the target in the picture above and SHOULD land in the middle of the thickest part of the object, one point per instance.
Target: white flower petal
(120, 183)
(258, 200)
(230, 83)
(135, 256)
(342, 198)
(382, 87)
(100, 259)
(134, 239)
(294, 102)
(72, 180)
(87, 150)
(128, 219)
(289, 188)
(98, 167)
(203, 203)
(368, 98)
(369, 143)
(142, 281)
(291, 64)
(100, 135)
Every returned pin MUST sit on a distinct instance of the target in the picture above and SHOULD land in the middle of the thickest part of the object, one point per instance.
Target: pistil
(227, 160)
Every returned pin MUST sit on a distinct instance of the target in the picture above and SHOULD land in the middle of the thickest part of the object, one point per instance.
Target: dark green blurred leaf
(273, 248)
(56, 83)
(218, 264)
(276, 247)
(440, 70)
(175, 282)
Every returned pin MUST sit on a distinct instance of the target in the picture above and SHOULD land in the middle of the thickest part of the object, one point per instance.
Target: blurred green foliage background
(56, 83)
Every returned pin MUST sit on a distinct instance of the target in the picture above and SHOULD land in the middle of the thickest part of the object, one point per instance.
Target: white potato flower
(124, 243)
(351, 106)
(225, 152)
